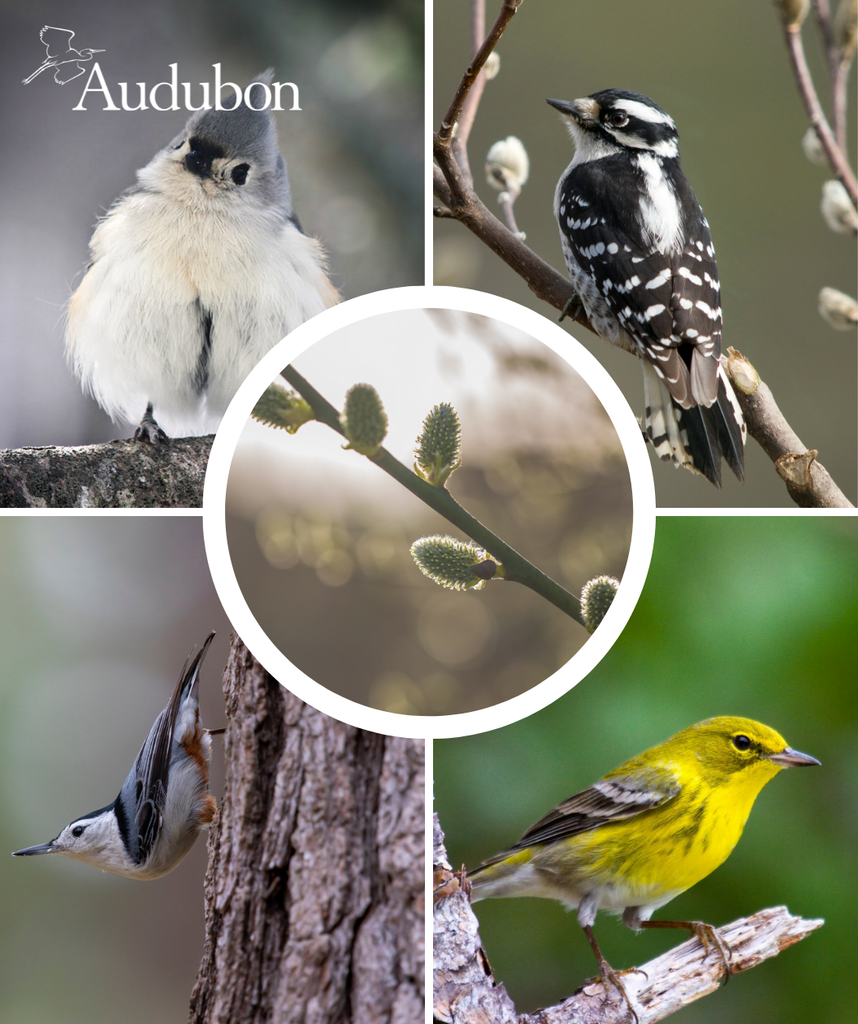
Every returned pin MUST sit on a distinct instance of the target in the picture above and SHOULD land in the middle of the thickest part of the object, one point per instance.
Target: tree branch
(836, 156)
(314, 889)
(117, 474)
(465, 991)
(808, 481)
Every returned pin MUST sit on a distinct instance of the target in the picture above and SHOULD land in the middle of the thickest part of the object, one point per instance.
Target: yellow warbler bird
(646, 832)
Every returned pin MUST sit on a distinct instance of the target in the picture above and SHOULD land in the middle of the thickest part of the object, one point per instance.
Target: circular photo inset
(428, 513)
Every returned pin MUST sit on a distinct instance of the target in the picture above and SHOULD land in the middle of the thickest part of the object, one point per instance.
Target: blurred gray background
(354, 154)
(319, 537)
(97, 616)
(721, 70)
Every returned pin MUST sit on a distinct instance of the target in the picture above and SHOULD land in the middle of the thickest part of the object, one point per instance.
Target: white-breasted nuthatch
(194, 275)
(164, 802)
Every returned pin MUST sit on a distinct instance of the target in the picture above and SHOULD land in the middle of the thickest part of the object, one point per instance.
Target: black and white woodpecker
(640, 255)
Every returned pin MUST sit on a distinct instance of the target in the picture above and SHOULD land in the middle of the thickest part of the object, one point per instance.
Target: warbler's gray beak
(580, 110)
(790, 758)
(31, 851)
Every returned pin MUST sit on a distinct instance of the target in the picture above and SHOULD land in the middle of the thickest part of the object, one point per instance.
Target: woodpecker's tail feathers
(698, 437)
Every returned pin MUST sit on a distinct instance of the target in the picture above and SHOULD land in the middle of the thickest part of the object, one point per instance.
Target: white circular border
(470, 722)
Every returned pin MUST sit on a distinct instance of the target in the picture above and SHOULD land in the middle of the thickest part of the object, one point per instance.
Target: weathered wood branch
(315, 884)
(465, 992)
(117, 474)
(808, 482)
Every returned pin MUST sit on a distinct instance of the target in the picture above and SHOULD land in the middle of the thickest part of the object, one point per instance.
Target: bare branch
(836, 156)
(117, 474)
(808, 482)
(466, 993)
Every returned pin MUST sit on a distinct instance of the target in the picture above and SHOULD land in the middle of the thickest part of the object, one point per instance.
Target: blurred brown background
(354, 154)
(721, 70)
(319, 537)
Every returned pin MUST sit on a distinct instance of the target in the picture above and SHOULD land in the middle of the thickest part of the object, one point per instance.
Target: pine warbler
(646, 832)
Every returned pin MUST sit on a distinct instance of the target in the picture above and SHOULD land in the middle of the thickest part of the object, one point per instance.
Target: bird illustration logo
(66, 61)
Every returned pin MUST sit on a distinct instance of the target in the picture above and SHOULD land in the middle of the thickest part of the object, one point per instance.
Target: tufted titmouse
(194, 275)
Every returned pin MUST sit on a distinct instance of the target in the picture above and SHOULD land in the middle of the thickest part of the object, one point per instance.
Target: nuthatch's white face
(94, 839)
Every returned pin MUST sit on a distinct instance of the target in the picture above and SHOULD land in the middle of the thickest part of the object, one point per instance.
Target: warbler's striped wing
(612, 799)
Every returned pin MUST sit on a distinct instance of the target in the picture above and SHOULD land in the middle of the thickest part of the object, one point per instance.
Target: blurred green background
(319, 537)
(721, 70)
(97, 616)
(740, 616)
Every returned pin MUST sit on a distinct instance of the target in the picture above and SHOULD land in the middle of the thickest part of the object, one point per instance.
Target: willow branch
(836, 156)
(517, 568)
(808, 482)
(465, 991)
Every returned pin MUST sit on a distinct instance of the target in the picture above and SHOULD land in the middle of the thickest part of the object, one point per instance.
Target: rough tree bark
(315, 884)
(117, 474)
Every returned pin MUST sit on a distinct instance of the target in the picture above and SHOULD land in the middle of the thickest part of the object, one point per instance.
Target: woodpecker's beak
(579, 110)
(32, 851)
(790, 758)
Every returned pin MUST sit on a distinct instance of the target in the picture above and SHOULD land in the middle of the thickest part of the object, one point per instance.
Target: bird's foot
(149, 432)
(611, 979)
(574, 307)
(710, 939)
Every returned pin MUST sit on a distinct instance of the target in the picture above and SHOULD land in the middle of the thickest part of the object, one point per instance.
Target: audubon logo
(69, 63)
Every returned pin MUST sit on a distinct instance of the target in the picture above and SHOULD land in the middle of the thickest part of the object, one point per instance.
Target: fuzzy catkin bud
(596, 598)
(846, 29)
(439, 447)
(280, 408)
(507, 165)
(794, 11)
(364, 420)
(838, 309)
(492, 65)
(451, 563)
(837, 208)
(813, 148)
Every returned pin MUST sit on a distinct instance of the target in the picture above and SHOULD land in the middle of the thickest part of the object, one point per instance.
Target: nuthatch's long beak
(31, 851)
(790, 758)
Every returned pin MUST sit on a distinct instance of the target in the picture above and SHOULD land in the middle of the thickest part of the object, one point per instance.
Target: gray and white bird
(164, 802)
(194, 275)
(639, 252)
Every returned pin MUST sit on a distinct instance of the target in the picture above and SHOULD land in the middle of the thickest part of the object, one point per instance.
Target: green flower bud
(439, 447)
(596, 598)
(280, 408)
(364, 421)
(455, 564)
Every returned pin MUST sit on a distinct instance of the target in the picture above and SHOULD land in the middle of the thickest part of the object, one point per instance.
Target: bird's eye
(239, 173)
(618, 118)
(741, 742)
(78, 831)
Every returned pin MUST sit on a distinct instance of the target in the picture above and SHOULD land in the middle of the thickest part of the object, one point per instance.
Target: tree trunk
(314, 889)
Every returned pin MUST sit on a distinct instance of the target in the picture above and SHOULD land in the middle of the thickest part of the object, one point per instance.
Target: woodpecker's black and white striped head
(614, 120)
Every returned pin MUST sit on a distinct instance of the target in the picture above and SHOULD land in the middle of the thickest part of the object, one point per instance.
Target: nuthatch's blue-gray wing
(145, 790)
